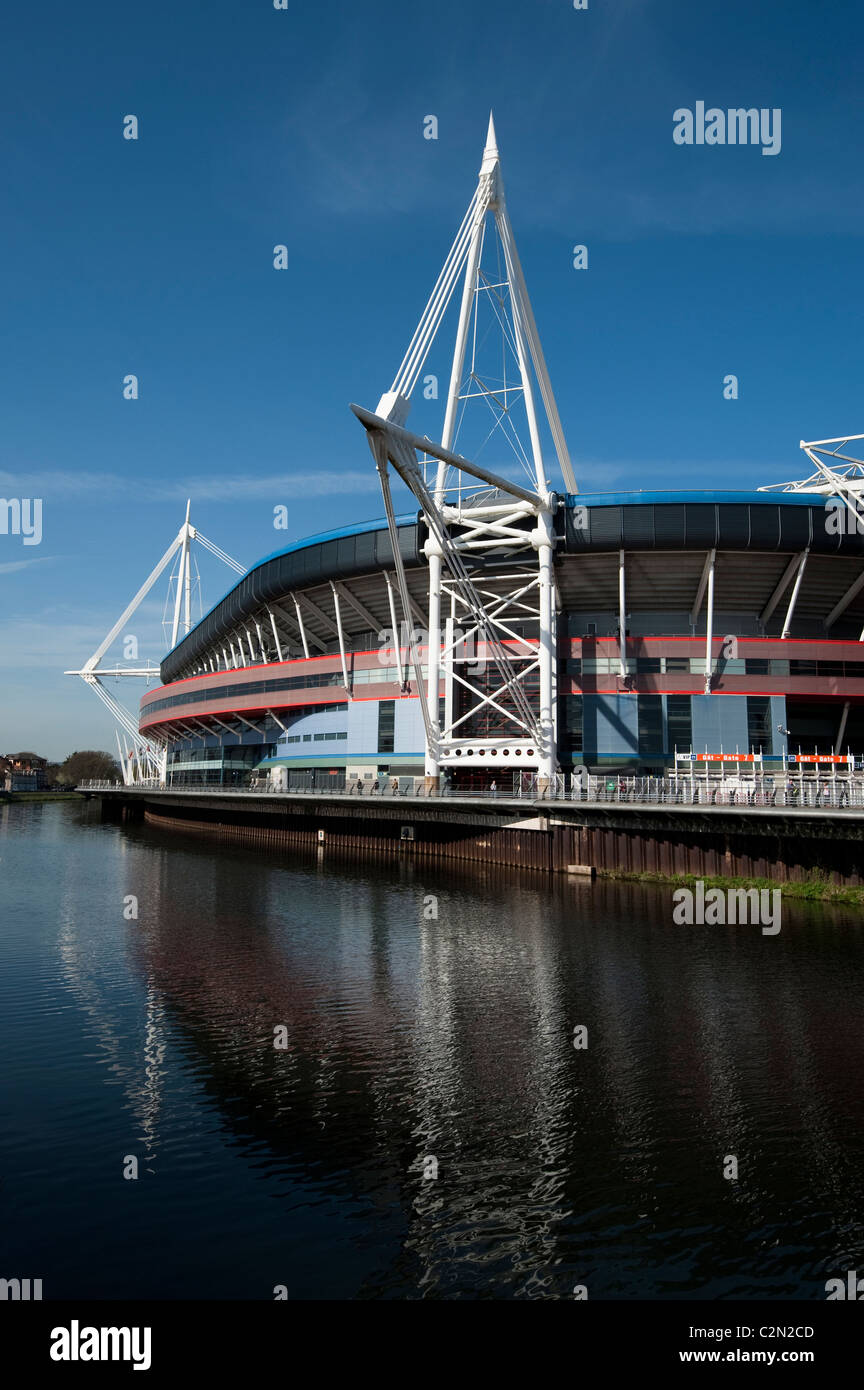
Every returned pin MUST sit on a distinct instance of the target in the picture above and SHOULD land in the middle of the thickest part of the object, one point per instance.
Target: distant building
(23, 773)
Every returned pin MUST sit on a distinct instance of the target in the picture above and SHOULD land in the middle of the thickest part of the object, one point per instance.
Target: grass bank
(815, 887)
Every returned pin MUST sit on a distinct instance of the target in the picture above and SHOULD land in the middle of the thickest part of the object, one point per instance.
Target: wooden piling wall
(641, 850)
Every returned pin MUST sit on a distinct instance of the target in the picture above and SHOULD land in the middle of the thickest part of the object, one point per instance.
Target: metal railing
(831, 794)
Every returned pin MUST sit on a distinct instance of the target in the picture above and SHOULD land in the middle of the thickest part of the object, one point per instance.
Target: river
(345, 1081)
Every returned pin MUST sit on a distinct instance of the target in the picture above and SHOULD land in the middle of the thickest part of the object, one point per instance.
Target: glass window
(386, 725)
(573, 722)
(759, 724)
(650, 726)
(679, 723)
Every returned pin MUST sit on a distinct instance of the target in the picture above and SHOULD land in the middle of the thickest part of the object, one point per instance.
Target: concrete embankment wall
(650, 841)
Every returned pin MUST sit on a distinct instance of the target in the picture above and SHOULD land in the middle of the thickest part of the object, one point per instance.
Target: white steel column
(790, 611)
(548, 764)
(448, 684)
(622, 617)
(300, 625)
(275, 636)
(184, 582)
(395, 629)
(187, 605)
(709, 625)
(700, 592)
(841, 731)
(338, 610)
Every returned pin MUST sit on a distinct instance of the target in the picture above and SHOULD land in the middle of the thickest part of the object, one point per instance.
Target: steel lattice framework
(845, 481)
(144, 759)
(491, 541)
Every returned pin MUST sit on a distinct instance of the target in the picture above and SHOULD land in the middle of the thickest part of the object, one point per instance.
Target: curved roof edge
(648, 498)
(359, 528)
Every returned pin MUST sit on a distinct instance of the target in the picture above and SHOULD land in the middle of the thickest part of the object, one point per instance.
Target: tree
(86, 766)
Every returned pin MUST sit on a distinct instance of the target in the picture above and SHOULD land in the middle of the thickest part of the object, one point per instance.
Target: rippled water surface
(412, 1044)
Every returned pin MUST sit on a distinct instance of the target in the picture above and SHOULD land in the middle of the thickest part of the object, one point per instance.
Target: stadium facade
(692, 621)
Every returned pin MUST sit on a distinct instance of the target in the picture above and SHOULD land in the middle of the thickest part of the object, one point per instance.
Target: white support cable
(412, 362)
(219, 553)
(397, 638)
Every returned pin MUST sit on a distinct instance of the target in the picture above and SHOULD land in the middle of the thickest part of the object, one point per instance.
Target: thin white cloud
(272, 488)
(11, 566)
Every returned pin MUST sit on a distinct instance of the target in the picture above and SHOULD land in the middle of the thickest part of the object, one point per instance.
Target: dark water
(411, 1040)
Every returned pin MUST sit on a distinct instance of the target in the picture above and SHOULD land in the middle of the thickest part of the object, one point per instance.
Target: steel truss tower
(492, 597)
(144, 759)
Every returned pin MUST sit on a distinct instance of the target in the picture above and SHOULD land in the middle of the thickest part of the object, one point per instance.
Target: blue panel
(362, 726)
(778, 722)
(409, 732)
(610, 727)
(720, 721)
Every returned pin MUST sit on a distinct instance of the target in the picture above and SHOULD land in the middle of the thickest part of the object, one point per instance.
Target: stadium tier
(686, 621)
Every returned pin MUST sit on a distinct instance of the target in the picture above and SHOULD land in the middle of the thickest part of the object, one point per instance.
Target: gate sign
(829, 759)
(821, 758)
(718, 757)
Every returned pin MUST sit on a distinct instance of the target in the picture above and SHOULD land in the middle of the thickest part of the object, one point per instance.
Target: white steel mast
(497, 522)
(145, 758)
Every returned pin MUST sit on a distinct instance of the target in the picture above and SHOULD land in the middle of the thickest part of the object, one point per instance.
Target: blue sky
(305, 127)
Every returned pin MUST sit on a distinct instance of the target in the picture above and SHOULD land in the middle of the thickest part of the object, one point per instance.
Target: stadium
(723, 622)
(505, 629)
